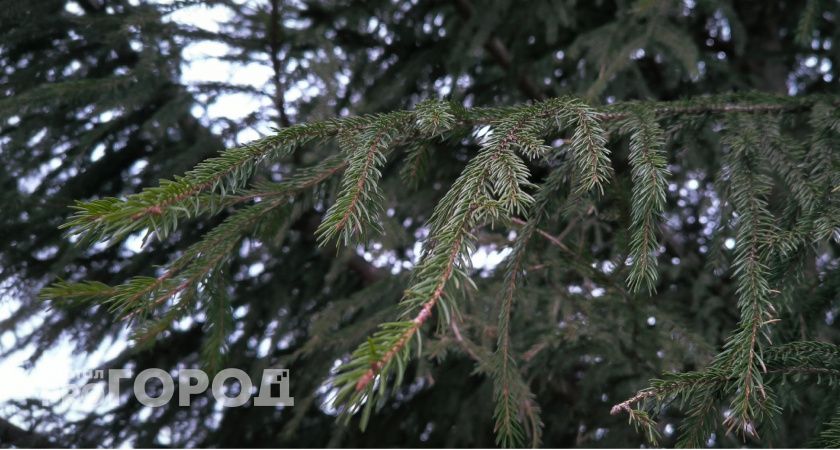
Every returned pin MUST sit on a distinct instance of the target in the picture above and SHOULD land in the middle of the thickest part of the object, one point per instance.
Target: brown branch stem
(497, 49)
(276, 65)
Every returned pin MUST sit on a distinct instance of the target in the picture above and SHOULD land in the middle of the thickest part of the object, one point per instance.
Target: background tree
(724, 206)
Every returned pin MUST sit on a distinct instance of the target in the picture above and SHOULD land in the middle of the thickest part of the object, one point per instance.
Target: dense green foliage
(679, 252)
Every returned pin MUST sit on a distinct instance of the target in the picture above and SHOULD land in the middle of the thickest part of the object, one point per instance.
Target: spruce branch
(494, 172)
(743, 351)
(372, 362)
(588, 144)
(642, 422)
(803, 357)
(160, 208)
(753, 103)
(822, 160)
(672, 386)
(138, 296)
(496, 186)
(516, 405)
(649, 173)
(218, 323)
(433, 117)
(416, 161)
(699, 391)
(830, 434)
(695, 388)
(509, 390)
(511, 394)
(787, 158)
(200, 263)
(808, 22)
(701, 420)
(358, 205)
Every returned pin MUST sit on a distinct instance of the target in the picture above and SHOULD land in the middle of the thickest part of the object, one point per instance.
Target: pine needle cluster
(497, 187)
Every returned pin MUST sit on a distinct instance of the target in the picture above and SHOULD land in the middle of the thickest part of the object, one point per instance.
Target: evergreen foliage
(690, 237)
(493, 188)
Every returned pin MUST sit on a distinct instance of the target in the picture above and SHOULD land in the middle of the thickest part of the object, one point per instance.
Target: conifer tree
(671, 262)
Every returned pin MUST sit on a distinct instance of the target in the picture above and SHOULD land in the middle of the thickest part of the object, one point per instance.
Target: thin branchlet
(649, 173)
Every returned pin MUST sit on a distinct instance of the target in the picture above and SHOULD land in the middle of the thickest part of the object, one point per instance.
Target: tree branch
(496, 48)
(13, 435)
(274, 52)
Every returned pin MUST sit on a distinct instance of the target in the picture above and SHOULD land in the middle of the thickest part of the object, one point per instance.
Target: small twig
(455, 330)
(533, 351)
(274, 48)
(625, 405)
(551, 238)
(497, 49)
